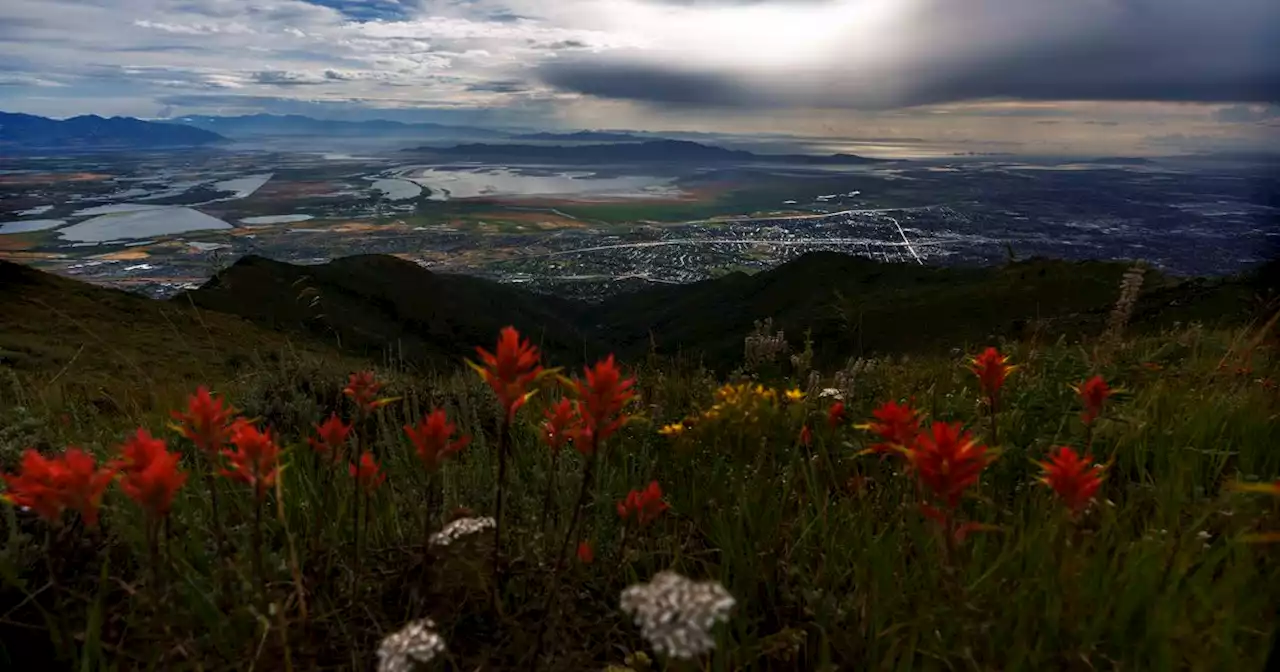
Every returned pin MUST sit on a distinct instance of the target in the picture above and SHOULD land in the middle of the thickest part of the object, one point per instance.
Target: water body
(477, 182)
(397, 190)
(38, 210)
(27, 225)
(244, 186)
(276, 219)
(158, 221)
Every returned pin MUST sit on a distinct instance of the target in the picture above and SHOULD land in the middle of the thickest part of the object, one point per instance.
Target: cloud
(870, 54)
(1246, 114)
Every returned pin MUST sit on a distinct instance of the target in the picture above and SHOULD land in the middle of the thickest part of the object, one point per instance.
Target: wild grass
(826, 552)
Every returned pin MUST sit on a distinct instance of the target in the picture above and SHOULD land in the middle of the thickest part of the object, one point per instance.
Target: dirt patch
(51, 178)
(13, 243)
(294, 190)
(125, 255)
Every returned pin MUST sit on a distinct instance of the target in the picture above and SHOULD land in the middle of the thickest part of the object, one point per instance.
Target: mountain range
(277, 126)
(23, 132)
(373, 307)
(648, 151)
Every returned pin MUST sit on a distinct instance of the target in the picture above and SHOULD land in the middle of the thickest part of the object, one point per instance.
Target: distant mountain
(583, 136)
(1119, 161)
(30, 132)
(675, 151)
(276, 126)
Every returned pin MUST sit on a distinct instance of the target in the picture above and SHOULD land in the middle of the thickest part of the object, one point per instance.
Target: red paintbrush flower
(645, 505)
(432, 439)
(38, 485)
(836, 415)
(509, 370)
(991, 368)
(1093, 394)
(255, 460)
(586, 554)
(601, 397)
(331, 437)
(207, 422)
(150, 473)
(363, 389)
(897, 424)
(806, 436)
(947, 461)
(559, 425)
(367, 474)
(1072, 477)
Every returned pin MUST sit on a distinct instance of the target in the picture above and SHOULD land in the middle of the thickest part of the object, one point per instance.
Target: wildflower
(898, 424)
(363, 389)
(38, 485)
(673, 429)
(150, 473)
(836, 415)
(675, 614)
(255, 460)
(207, 422)
(586, 554)
(644, 505)
(831, 392)
(462, 527)
(991, 368)
(806, 436)
(1093, 393)
(331, 436)
(947, 461)
(1072, 477)
(510, 370)
(601, 398)
(794, 395)
(413, 645)
(559, 424)
(367, 473)
(432, 439)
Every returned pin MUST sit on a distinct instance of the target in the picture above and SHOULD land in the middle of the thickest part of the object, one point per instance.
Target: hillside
(30, 132)
(120, 347)
(679, 151)
(853, 306)
(288, 125)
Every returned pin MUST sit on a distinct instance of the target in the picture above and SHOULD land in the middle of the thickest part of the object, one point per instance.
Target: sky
(1092, 76)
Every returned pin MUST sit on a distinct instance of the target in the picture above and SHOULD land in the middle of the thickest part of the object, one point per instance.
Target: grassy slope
(830, 561)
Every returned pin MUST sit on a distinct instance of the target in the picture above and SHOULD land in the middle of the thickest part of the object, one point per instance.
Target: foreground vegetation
(843, 539)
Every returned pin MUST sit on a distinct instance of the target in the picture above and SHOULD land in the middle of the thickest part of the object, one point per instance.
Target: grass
(826, 552)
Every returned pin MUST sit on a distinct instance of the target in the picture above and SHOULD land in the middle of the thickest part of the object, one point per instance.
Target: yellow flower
(795, 395)
(674, 429)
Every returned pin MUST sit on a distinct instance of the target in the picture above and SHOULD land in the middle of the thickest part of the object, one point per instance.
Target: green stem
(257, 548)
(503, 446)
(551, 486)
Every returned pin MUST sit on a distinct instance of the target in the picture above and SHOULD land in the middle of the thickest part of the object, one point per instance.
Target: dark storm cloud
(505, 86)
(1106, 50)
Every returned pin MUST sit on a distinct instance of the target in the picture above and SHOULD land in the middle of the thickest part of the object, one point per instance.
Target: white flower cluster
(675, 614)
(415, 643)
(462, 527)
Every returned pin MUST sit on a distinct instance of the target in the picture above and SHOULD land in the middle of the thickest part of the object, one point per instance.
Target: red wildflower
(207, 422)
(559, 426)
(432, 439)
(806, 436)
(1093, 393)
(255, 460)
(586, 554)
(1072, 477)
(151, 474)
(836, 415)
(601, 398)
(331, 437)
(898, 424)
(645, 505)
(510, 370)
(991, 368)
(363, 389)
(38, 485)
(947, 461)
(367, 474)
(84, 484)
